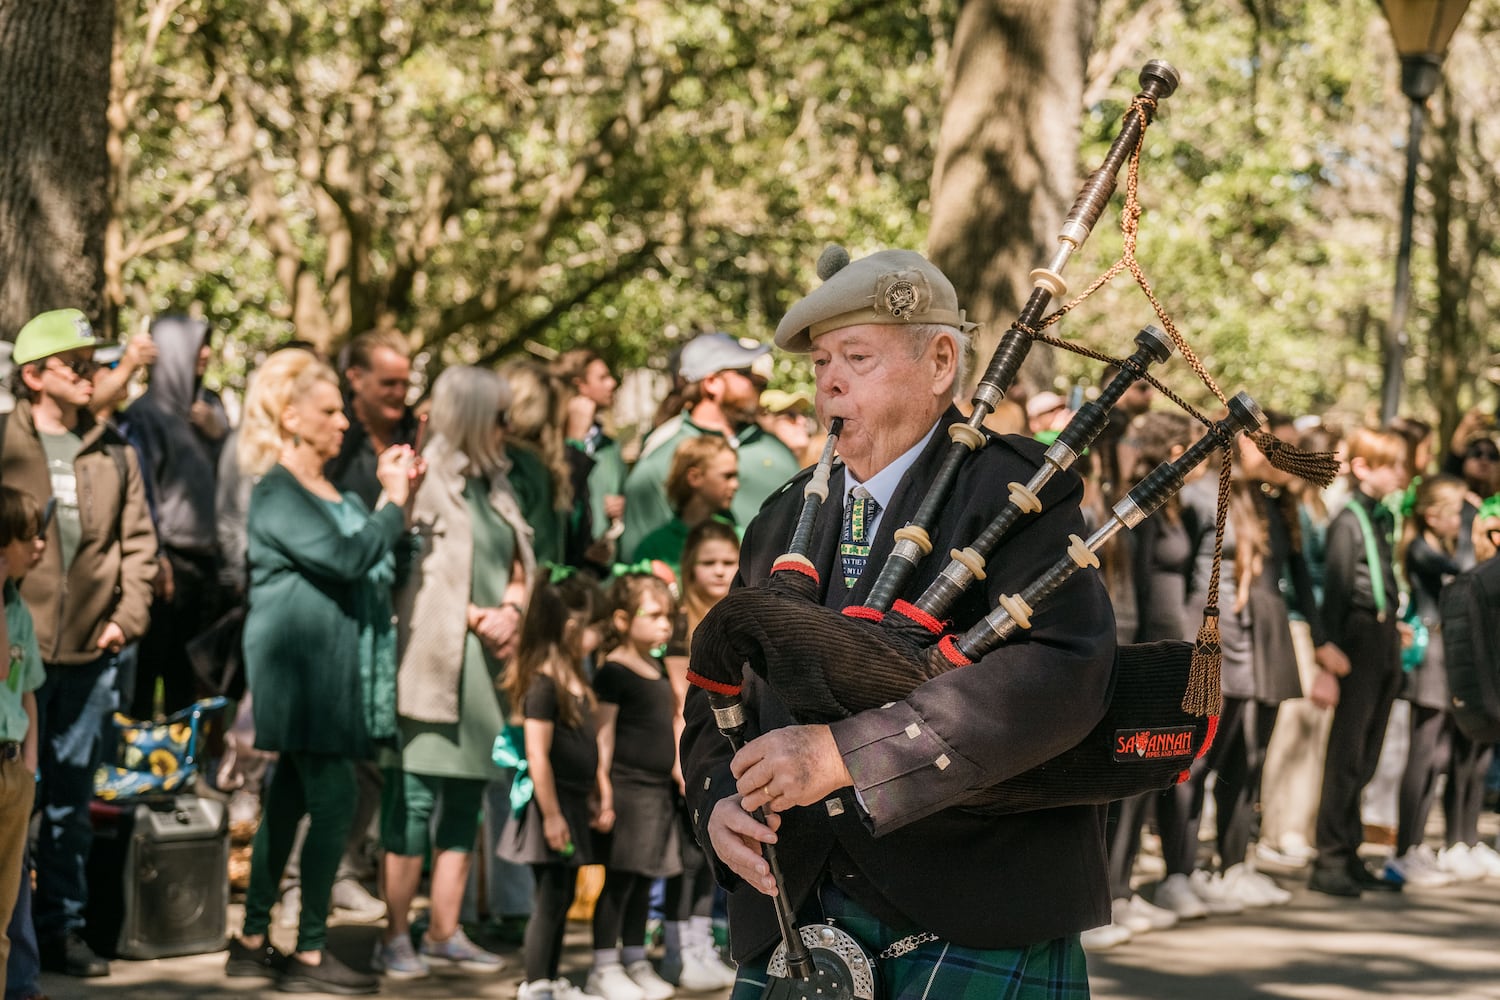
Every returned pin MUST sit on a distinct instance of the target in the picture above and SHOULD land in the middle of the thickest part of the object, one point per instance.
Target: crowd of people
(466, 628)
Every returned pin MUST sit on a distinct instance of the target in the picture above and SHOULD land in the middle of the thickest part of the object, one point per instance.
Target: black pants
(1431, 748)
(620, 915)
(1122, 831)
(555, 886)
(1237, 757)
(1463, 799)
(1239, 763)
(1355, 738)
(194, 606)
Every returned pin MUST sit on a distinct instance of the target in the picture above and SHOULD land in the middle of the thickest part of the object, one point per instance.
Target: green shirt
(668, 542)
(26, 671)
(532, 484)
(764, 465)
(61, 450)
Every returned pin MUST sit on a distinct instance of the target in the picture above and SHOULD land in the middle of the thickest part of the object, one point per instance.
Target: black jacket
(978, 881)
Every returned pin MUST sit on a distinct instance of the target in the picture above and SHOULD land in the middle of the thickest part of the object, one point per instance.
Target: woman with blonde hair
(459, 612)
(319, 650)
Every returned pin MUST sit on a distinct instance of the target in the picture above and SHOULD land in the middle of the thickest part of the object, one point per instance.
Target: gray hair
(922, 334)
(465, 404)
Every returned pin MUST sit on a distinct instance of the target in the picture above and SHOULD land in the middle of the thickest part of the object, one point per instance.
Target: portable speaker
(158, 878)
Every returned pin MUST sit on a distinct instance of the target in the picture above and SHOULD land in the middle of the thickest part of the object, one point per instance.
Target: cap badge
(85, 332)
(902, 294)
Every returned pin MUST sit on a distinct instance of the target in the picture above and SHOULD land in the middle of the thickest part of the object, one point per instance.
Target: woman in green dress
(459, 612)
(319, 650)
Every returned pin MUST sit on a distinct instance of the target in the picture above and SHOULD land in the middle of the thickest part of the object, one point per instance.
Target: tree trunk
(54, 169)
(1007, 159)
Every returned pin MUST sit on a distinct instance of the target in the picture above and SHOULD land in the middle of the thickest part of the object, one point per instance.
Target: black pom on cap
(832, 260)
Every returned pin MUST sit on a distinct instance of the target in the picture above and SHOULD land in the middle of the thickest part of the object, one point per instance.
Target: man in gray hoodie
(178, 427)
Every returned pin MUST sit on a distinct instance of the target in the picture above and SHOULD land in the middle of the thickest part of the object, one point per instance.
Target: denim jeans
(23, 971)
(73, 705)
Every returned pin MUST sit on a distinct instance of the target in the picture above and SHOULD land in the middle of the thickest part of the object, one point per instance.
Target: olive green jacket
(114, 569)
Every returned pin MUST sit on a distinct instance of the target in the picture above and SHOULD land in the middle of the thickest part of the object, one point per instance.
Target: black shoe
(264, 962)
(72, 957)
(1368, 880)
(1334, 882)
(330, 976)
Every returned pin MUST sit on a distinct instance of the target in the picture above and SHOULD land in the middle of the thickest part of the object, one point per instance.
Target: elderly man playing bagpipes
(900, 765)
(863, 810)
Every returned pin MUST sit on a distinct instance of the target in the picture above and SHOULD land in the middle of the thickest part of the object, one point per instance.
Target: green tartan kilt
(1052, 970)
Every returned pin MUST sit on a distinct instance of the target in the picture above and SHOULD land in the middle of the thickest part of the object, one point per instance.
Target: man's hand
(140, 350)
(1325, 690)
(112, 638)
(795, 766)
(1332, 659)
(736, 836)
(165, 585)
(206, 419)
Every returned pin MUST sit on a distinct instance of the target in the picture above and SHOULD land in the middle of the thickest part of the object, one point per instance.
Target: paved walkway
(1428, 943)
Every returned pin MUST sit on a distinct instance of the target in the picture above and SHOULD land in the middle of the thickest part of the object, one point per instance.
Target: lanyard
(1372, 556)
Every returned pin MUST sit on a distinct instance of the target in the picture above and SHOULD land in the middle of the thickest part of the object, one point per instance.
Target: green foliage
(485, 175)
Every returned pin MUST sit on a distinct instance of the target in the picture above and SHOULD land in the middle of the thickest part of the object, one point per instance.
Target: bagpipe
(826, 665)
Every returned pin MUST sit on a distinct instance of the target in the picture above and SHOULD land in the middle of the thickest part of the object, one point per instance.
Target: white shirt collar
(882, 485)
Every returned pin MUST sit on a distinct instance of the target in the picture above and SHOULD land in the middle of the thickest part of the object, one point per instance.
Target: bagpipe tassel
(1204, 696)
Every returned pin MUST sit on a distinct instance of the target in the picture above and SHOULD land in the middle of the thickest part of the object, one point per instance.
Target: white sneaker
(398, 959)
(714, 962)
(563, 989)
(290, 910)
(540, 989)
(1253, 889)
(354, 902)
(1488, 858)
(697, 969)
(1216, 895)
(1123, 917)
(610, 982)
(1293, 852)
(1106, 937)
(1175, 893)
(652, 986)
(1455, 860)
(1157, 918)
(1417, 868)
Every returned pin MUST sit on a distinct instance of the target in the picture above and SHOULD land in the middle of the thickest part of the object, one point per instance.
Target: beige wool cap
(889, 287)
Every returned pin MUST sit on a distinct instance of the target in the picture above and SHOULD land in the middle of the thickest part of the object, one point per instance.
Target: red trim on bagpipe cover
(717, 687)
(1208, 741)
(868, 614)
(792, 566)
(949, 648)
(916, 614)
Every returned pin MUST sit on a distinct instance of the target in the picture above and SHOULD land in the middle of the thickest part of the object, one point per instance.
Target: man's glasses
(81, 367)
(1483, 454)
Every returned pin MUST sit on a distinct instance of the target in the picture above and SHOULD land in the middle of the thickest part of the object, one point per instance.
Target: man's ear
(31, 375)
(713, 386)
(942, 354)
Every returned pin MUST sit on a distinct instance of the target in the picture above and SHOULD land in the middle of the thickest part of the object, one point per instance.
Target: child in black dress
(638, 776)
(552, 834)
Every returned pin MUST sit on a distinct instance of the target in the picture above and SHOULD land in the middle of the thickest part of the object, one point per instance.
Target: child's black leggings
(555, 885)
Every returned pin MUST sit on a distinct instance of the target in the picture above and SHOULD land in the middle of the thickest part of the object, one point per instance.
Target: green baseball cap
(52, 333)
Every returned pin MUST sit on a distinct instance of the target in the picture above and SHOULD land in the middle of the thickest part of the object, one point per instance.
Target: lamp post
(1421, 30)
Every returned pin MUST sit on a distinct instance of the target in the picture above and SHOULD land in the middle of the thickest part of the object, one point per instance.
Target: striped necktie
(854, 545)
